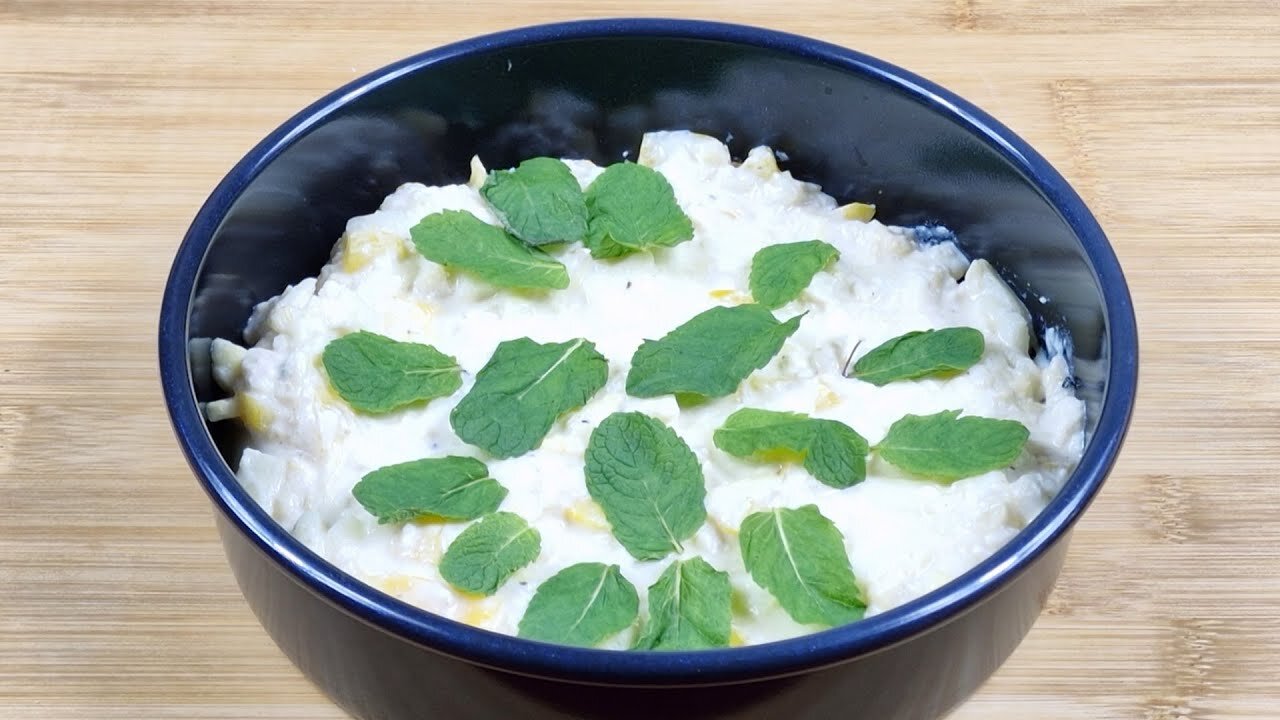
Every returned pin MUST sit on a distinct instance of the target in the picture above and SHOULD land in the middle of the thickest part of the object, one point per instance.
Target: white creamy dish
(904, 535)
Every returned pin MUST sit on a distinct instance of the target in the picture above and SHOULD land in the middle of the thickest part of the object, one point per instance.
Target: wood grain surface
(118, 117)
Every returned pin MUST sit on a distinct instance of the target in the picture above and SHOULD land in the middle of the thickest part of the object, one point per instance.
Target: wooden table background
(118, 117)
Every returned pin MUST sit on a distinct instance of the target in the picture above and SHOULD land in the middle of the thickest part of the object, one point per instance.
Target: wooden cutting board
(118, 118)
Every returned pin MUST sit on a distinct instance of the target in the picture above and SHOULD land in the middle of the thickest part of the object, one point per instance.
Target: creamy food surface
(904, 536)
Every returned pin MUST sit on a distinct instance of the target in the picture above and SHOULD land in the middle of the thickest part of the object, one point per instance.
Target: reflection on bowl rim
(631, 667)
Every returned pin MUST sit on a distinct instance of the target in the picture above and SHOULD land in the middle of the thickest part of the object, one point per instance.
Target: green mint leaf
(689, 608)
(581, 605)
(711, 354)
(837, 455)
(779, 273)
(799, 557)
(484, 555)
(831, 451)
(946, 447)
(647, 481)
(540, 202)
(453, 488)
(922, 353)
(455, 238)
(631, 207)
(376, 374)
(521, 391)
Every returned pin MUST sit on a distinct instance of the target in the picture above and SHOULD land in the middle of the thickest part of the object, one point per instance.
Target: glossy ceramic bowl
(863, 129)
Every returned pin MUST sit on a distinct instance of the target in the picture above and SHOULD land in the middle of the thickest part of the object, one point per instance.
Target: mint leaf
(799, 557)
(831, 451)
(484, 555)
(458, 239)
(521, 391)
(779, 273)
(689, 608)
(922, 353)
(581, 605)
(540, 202)
(647, 481)
(453, 488)
(631, 207)
(711, 354)
(837, 455)
(946, 447)
(376, 374)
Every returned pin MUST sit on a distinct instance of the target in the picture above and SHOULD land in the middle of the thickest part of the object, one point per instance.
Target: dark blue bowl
(863, 129)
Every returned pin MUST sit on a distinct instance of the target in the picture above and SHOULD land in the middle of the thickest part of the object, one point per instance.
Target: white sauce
(904, 537)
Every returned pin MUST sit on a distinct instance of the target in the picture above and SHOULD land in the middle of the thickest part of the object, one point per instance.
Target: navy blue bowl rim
(649, 668)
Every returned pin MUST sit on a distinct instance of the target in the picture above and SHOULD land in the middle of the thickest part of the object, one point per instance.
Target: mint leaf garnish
(458, 239)
(779, 273)
(581, 605)
(376, 374)
(689, 608)
(540, 202)
(711, 354)
(452, 488)
(484, 555)
(946, 447)
(831, 451)
(647, 481)
(521, 391)
(799, 557)
(631, 207)
(921, 353)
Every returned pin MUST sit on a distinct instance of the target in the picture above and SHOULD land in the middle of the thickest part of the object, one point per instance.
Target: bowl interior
(863, 130)
(859, 136)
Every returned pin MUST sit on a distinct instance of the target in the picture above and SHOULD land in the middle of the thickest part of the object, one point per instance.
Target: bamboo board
(119, 117)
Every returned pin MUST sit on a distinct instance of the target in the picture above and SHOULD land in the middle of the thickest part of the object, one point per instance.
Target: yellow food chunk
(359, 249)
(477, 612)
(423, 311)
(224, 409)
(735, 639)
(826, 399)
(724, 529)
(256, 416)
(731, 294)
(227, 359)
(762, 162)
(862, 212)
(395, 584)
(648, 155)
(478, 173)
(586, 513)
